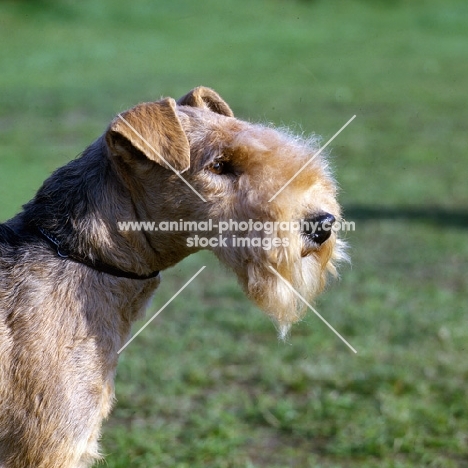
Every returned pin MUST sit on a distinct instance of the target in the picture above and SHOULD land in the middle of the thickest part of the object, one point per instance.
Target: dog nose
(319, 228)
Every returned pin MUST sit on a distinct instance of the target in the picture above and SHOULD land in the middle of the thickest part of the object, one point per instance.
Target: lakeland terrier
(72, 281)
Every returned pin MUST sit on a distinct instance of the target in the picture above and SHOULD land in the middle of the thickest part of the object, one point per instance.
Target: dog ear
(206, 97)
(153, 129)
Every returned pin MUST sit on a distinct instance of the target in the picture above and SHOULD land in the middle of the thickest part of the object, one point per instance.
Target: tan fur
(62, 322)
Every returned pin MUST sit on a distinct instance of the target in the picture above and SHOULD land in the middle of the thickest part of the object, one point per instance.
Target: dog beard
(282, 281)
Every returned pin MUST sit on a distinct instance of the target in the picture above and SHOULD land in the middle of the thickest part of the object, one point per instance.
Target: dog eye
(218, 167)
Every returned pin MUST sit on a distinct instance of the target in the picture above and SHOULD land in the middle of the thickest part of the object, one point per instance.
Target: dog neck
(97, 265)
(77, 209)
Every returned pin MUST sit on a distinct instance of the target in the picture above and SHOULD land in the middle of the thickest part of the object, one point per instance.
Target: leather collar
(97, 265)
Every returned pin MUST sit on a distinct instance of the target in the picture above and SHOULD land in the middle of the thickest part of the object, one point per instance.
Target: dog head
(269, 194)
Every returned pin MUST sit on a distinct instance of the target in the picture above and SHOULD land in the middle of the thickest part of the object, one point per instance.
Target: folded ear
(206, 97)
(153, 129)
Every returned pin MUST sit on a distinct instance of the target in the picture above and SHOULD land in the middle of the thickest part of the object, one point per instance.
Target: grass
(208, 384)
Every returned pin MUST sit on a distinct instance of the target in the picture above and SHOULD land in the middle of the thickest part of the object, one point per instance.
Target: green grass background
(208, 384)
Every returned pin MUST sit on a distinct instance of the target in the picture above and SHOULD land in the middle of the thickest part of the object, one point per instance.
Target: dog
(72, 281)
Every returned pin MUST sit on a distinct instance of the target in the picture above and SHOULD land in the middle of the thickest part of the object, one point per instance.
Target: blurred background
(208, 384)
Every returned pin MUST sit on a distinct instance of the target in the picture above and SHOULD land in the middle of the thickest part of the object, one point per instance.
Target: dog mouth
(318, 229)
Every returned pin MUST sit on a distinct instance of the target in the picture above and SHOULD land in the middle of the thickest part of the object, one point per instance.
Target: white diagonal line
(312, 158)
(312, 309)
(176, 172)
(161, 309)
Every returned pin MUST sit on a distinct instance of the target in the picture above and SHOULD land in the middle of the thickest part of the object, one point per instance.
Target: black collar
(94, 264)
